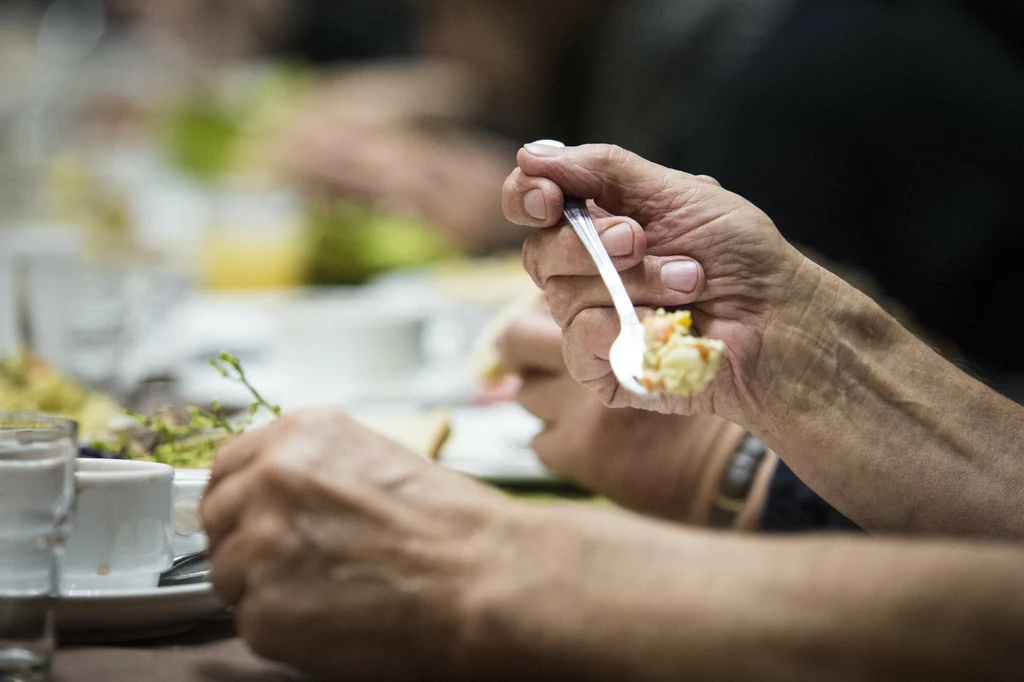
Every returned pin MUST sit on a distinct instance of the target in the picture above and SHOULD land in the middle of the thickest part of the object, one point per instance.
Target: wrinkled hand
(344, 553)
(677, 239)
(663, 465)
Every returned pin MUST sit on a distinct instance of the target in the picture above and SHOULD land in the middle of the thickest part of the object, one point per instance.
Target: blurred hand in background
(219, 30)
(407, 136)
(397, 137)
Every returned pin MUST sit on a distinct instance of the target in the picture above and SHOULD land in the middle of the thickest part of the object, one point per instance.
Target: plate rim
(169, 592)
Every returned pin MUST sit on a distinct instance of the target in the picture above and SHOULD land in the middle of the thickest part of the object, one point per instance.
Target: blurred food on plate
(30, 384)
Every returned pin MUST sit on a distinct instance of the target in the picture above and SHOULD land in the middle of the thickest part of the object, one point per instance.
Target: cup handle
(186, 516)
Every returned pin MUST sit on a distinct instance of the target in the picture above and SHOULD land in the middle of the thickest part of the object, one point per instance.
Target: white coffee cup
(189, 486)
(121, 532)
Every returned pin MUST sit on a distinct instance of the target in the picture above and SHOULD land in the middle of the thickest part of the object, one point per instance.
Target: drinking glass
(81, 317)
(37, 484)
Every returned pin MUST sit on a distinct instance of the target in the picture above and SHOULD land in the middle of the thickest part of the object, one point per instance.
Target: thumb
(618, 181)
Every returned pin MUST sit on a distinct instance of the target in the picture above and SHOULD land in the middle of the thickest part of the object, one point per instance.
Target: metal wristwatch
(738, 479)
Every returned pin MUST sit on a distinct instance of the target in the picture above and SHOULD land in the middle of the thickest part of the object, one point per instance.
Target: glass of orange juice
(256, 240)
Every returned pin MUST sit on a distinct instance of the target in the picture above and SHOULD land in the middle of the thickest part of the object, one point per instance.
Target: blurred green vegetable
(213, 131)
(30, 384)
(201, 139)
(351, 244)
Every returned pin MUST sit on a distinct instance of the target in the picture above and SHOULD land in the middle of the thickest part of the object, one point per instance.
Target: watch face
(737, 481)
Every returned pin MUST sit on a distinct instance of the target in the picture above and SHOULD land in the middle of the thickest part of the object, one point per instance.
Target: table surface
(209, 652)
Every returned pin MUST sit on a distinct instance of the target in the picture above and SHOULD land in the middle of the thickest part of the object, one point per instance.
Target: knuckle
(563, 297)
(574, 346)
(531, 258)
(607, 393)
(281, 473)
(610, 154)
(508, 195)
(606, 388)
(585, 345)
(576, 258)
(266, 536)
(592, 323)
(647, 288)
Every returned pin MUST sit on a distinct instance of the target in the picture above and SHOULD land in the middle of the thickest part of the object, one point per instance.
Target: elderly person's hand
(353, 559)
(663, 465)
(677, 239)
(860, 409)
(343, 552)
(446, 178)
(224, 30)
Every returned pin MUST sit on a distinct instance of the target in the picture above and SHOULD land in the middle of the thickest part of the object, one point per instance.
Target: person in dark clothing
(902, 126)
(328, 32)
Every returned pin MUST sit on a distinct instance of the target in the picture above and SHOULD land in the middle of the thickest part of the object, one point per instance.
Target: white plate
(524, 471)
(493, 443)
(132, 614)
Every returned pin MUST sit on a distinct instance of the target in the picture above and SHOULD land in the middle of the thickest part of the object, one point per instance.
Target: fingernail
(543, 150)
(535, 204)
(618, 240)
(681, 276)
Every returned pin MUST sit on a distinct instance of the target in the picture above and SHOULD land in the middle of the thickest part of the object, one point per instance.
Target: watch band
(738, 479)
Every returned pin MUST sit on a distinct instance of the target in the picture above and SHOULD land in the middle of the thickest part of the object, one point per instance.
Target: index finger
(617, 180)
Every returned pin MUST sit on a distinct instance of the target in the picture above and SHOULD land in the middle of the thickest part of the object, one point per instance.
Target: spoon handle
(577, 213)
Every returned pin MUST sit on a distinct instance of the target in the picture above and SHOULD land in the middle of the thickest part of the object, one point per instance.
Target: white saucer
(132, 614)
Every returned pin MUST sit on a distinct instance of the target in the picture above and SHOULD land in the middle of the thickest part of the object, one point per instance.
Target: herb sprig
(194, 442)
(230, 368)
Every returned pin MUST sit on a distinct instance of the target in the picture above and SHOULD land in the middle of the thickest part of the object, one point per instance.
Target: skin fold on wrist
(792, 341)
